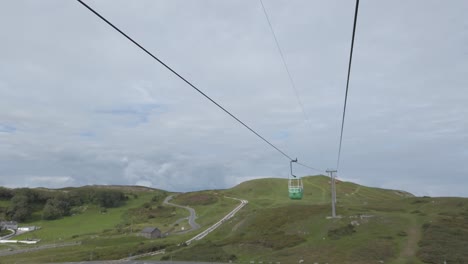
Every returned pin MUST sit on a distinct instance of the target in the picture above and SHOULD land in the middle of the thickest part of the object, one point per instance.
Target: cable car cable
(306, 166)
(347, 83)
(182, 78)
(291, 80)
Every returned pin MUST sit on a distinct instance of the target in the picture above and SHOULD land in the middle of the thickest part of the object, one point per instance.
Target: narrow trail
(411, 245)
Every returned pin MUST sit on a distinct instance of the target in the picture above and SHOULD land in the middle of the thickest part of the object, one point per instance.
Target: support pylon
(333, 191)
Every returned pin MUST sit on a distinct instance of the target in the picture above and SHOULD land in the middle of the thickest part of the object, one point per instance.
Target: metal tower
(333, 190)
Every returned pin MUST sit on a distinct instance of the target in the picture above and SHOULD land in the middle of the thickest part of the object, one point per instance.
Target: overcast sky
(79, 104)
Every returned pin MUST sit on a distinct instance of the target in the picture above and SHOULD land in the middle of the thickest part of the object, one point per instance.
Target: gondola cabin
(296, 189)
(295, 186)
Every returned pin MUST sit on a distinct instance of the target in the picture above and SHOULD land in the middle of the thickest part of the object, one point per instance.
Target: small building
(150, 232)
(9, 225)
(27, 228)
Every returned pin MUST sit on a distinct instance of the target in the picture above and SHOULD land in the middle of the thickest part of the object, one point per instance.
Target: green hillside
(272, 192)
(107, 232)
(375, 226)
(389, 226)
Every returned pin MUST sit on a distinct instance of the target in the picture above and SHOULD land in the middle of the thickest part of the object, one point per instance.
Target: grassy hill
(376, 225)
(272, 192)
(111, 233)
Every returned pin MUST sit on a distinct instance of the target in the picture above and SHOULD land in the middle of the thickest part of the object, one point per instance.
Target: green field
(375, 225)
(388, 226)
(92, 221)
(4, 203)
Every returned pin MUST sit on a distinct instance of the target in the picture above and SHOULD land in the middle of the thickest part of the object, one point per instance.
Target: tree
(20, 208)
(109, 198)
(55, 208)
(5, 194)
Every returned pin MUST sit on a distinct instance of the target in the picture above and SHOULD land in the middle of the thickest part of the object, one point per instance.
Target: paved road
(197, 237)
(217, 224)
(13, 233)
(192, 216)
(192, 223)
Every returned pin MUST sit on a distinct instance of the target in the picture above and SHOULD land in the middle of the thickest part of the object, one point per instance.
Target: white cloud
(83, 99)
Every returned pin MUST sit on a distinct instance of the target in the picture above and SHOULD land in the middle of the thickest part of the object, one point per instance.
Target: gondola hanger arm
(290, 166)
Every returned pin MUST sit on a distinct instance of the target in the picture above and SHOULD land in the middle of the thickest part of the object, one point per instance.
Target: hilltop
(376, 225)
(272, 191)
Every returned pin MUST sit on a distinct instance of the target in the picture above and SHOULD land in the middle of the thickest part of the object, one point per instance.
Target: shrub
(444, 240)
(341, 231)
(402, 234)
(55, 208)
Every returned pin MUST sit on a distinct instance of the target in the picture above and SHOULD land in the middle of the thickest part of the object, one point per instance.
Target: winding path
(192, 216)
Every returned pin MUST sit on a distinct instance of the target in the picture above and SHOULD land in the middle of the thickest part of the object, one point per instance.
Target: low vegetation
(375, 225)
(54, 204)
(196, 198)
(340, 232)
(445, 238)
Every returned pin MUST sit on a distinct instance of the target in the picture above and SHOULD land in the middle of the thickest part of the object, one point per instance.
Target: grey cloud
(90, 108)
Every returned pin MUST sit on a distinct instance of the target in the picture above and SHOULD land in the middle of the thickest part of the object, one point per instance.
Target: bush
(55, 208)
(418, 201)
(159, 197)
(425, 226)
(20, 208)
(444, 240)
(402, 234)
(341, 232)
(109, 198)
(191, 199)
(5, 194)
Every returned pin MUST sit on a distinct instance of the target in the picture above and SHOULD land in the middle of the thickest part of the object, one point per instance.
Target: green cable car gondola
(295, 186)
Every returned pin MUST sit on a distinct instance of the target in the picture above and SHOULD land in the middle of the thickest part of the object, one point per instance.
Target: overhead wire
(291, 80)
(185, 80)
(311, 168)
(347, 84)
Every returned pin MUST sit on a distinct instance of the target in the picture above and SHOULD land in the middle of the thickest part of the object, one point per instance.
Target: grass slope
(92, 220)
(112, 234)
(389, 226)
(376, 225)
(103, 235)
